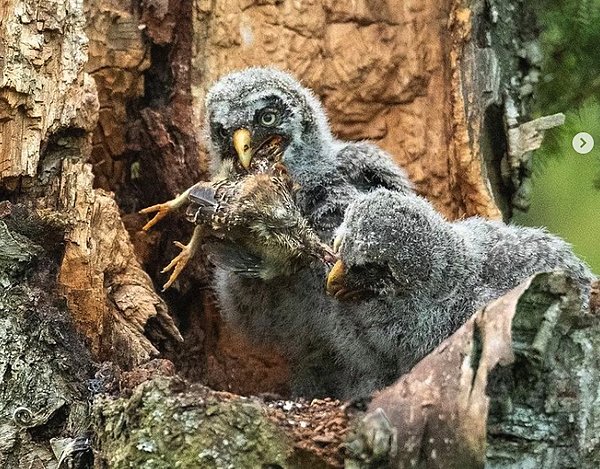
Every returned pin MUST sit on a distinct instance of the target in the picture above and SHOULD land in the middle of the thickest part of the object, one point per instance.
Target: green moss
(160, 426)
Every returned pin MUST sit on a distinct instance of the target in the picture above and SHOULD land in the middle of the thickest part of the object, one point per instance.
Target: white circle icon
(583, 143)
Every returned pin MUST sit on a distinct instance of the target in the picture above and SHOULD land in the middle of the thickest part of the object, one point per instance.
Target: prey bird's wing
(203, 203)
(203, 196)
(233, 258)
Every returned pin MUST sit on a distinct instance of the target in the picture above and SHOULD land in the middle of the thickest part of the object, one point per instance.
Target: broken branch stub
(509, 385)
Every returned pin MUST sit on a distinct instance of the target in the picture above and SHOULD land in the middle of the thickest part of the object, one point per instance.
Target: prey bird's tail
(203, 204)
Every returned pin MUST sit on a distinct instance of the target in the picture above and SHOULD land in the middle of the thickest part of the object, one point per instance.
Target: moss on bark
(166, 424)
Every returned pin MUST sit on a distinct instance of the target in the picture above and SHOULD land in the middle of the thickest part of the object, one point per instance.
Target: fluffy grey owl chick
(428, 276)
(293, 311)
(394, 244)
(407, 251)
(329, 172)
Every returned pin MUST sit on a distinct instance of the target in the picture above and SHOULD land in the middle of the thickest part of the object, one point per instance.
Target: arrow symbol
(582, 143)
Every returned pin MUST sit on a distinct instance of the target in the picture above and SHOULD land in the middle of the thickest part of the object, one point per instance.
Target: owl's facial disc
(264, 122)
(247, 125)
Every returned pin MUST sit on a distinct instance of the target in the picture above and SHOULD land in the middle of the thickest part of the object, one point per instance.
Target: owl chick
(418, 250)
(424, 276)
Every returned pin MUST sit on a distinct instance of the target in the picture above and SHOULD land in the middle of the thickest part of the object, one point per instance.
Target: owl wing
(368, 167)
(512, 253)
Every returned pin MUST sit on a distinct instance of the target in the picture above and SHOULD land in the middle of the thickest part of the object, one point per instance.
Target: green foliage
(570, 39)
(565, 194)
(557, 141)
(565, 191)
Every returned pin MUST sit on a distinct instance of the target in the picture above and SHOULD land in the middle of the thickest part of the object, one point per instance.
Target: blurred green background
(566, 185)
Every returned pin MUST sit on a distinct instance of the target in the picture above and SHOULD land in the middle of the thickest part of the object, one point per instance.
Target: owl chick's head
(246, 109)
(393, 244)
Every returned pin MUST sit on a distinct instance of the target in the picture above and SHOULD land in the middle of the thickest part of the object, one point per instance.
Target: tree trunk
(101, 113)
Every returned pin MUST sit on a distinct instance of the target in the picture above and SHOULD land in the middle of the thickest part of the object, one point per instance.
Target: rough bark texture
(68, 239)
(110, 100)
(544, 407)
(219, 430)
(525, 363)
(43, 364)
(513, 387)
(395, 85)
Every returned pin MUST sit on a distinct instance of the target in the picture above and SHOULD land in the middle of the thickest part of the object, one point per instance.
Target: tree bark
(511, 388)
(101, 113)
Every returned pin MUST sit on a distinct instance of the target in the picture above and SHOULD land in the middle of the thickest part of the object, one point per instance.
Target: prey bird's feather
(237, 260)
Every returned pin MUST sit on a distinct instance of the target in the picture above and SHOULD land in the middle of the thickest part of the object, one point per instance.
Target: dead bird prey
(250, 202)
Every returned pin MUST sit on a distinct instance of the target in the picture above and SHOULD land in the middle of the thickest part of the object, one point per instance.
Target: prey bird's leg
(163, 209)
(187, 252)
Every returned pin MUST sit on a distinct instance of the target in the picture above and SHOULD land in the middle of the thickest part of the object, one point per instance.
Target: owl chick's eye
(269, 118)
(222, 131)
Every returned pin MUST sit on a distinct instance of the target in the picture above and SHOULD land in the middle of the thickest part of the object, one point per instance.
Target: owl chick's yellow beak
(242, 140)
(335, 279)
